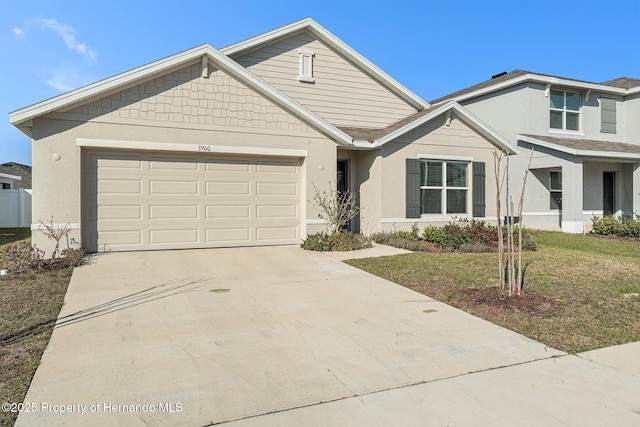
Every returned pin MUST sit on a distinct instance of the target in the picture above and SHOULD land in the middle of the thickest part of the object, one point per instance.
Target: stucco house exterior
(218, 148)
(585, 139)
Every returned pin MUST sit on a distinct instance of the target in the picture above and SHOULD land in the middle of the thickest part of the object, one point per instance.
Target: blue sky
(432, 47)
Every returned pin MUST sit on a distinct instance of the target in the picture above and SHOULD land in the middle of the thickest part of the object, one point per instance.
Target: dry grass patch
(579, 290)
(29, 306)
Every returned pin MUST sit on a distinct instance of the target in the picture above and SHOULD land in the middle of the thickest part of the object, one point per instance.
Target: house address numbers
(205, 148)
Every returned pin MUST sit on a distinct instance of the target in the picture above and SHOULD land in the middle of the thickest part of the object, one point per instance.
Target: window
(555, 190)
(444, 187)
(306, 66)
(607, 115)
(5, 185)
(564, 110)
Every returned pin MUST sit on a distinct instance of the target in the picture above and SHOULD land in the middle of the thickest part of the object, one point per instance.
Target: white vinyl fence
(15, 208)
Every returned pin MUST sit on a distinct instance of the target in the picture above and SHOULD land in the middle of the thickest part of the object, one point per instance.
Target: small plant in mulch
(462, 235)
(340, 241)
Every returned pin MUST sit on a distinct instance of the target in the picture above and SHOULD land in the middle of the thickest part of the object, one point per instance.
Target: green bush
(342, 241)
(625, 226)
(413, 234)
(452, 235)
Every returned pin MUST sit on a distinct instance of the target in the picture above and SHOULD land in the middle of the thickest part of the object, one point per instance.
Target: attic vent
(504, 73)
(306, 66)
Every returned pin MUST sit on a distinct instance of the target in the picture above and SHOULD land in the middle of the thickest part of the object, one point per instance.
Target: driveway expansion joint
(372, 392)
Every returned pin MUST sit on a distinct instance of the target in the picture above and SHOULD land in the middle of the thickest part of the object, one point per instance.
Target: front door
(342, 180)
(608, 193)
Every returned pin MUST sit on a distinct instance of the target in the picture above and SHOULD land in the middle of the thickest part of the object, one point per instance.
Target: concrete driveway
(279, 336)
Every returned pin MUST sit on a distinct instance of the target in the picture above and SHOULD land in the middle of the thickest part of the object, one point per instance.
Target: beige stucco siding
(435, 140)
(342, 94)
(228, 115)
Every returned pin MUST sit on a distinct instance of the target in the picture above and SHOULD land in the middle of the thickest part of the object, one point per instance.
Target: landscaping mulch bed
(531, 303)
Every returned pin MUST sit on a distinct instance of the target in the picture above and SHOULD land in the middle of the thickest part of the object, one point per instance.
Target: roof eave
(21, 118)
(25, 114)
(325, 35)
(579, 153)
(532, 77)
(478, 125)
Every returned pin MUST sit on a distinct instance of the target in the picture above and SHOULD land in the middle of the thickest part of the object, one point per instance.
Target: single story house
(585, 140)
(220, 148)
(23, 172)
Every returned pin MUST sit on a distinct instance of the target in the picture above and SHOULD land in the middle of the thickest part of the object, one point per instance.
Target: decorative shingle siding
(184, 96)
(342, 94)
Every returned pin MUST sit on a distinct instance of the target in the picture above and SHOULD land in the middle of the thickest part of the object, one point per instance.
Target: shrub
(625, 226)
(392, 239)
(413, 234)
(21, 257)
(452, 235)
(341, 241)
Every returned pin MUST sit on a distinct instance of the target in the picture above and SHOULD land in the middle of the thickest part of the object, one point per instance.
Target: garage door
(156, 201)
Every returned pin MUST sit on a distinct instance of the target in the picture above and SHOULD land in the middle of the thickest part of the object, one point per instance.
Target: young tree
(511, 272)
(335, 208)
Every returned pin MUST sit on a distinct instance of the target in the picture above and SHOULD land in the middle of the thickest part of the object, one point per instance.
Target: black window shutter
(478, 190)
(413, 188)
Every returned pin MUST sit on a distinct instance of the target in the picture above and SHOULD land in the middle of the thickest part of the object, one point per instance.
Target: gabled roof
(23, 118)
(327, 37)
(585, 147)
(371, 138)
(622, 86)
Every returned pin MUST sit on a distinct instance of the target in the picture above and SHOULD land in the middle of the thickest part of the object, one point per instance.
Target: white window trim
(306, 55)
(443, 200)
(564, 110)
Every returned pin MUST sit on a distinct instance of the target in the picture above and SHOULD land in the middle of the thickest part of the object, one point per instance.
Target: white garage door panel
(156, 201)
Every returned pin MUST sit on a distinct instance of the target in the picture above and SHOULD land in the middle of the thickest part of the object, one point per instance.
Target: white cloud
(68, 34)
(18, 31)
(66, 79)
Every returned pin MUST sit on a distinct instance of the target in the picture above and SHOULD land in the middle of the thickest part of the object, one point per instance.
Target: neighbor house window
(444, 187)
(564, 110)
(306, 66)
(555, 190)
(607, 115)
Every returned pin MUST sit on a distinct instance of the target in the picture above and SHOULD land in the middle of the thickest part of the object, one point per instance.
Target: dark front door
(342, 180)
(608, 192)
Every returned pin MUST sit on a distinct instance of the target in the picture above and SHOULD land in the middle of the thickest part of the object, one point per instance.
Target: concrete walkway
(283, 337)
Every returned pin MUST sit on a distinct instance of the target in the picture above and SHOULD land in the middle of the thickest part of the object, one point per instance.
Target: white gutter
(579, 152)
(546, 80)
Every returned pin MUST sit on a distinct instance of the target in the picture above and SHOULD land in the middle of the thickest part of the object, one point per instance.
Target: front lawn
(29, 306)
(581, 292)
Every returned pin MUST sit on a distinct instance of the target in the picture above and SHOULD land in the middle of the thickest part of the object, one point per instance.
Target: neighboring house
(213, 148)
(8, 181)
(15, 195)
(585, 137)
(23, 172)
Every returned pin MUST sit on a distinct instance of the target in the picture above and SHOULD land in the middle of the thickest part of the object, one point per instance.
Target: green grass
(592, 280)
(29, 306)
(9, 235)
